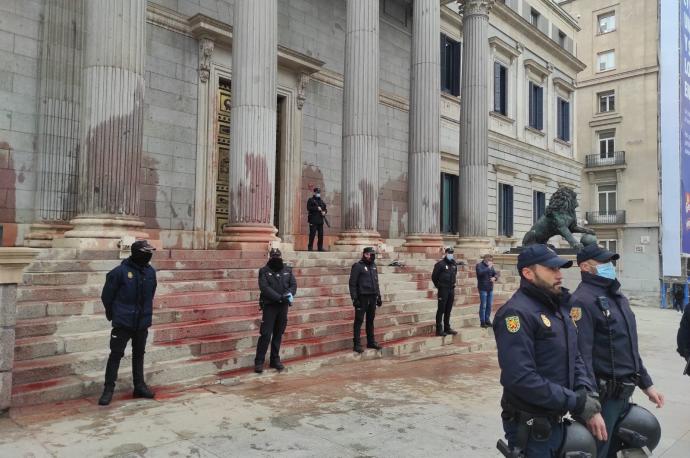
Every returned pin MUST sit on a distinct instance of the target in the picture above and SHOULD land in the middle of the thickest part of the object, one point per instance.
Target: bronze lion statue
(559, 219)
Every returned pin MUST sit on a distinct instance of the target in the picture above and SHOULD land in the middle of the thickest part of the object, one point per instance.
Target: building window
(563, 119)
(450, 65)
(607, 102)
(561, 39)
(607, 144)
(536, 106)
(500, 89)
(449, 203)
(505, 210)
(606, 61)
(607, 199)
(534, 17)
(610, 245)
(607, 22)
(538, 205)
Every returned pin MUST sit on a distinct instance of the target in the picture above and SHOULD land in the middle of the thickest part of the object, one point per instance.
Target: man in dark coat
(444, 277)
(128, 300)
(683, 337)
(542, 373)
(366, 296)
(486, 277)
(278, 288)
(317, 212)
(607, 338)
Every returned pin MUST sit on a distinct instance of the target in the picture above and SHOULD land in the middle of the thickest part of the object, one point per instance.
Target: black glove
(356, 304)
(109, 313)
(586, 406)
(285, 299)
(379, 302)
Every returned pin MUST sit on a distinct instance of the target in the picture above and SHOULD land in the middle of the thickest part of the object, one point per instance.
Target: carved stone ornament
(205, 52)
(301, 89)
(471, 7)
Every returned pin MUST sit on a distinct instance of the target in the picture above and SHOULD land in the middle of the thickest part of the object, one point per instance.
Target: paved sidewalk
(423, 405)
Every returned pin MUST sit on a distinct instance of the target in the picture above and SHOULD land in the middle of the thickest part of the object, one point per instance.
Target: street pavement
(422, 405)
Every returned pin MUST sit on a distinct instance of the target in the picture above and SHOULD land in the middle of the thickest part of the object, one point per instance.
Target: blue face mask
(449, 257)
(317, 195)
(607, 271)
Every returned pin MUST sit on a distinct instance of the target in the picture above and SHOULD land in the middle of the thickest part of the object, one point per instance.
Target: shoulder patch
(130, 275)
(576, 313)
(513, 323)
(546, 320)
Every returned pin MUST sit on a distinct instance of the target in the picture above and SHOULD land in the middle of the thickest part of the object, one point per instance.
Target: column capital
(206, 47)
(474, 7)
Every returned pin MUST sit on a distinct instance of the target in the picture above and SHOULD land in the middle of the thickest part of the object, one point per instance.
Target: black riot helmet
(578, 442)
(637, 429)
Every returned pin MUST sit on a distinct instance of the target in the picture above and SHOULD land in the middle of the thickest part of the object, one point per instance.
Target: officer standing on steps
(683, 338)
(278, 289)
(542, 374)
(444, 277)
(607, 335)
(366, 296)
(128, 300)
(317, 214)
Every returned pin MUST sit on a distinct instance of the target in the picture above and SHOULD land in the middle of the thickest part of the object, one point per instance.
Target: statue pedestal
(474, 247)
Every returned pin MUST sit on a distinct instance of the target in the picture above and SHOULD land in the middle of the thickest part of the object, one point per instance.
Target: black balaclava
(142, 252)
(275, 261)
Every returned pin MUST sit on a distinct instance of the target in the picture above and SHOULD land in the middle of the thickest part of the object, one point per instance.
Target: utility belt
(530, 425)
(618, 389)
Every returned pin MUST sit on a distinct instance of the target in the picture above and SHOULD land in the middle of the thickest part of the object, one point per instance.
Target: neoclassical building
(207, 124)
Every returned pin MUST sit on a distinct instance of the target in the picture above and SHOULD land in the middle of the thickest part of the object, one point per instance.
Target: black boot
(258, 367)
(439, 331)
(142, 391)
(107, 395)
(450, 332)
(374, 345)
(277, 365)
(358, 346)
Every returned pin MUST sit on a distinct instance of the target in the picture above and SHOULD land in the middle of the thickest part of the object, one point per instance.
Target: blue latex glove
(290, 298)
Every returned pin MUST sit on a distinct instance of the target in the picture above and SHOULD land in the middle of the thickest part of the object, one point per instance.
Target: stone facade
(188, 51)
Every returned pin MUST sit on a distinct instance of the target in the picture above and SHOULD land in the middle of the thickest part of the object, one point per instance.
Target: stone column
(474, 128)
(360, 169)
(12, 263)
(111, 124)
(253, 126)
(424, 163)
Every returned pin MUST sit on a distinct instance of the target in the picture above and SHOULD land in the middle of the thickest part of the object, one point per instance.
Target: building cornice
(563, 14)
(537, 68)
(608, 78)
(605, 121)
(564, 84)
(547, 156)
(505, 48)
(512, 17)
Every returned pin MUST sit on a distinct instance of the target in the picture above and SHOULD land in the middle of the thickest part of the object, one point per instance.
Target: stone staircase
(206, 317)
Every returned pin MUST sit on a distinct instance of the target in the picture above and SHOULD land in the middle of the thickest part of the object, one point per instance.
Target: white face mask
(317, 195)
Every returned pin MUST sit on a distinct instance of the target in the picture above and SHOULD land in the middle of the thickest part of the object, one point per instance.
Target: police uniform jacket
(445, 273)
(364, 280)
(593, 331)
(315, 216)
(683, 336)
(484, 275)
(275, 285)
(128, 295)
(537, 352)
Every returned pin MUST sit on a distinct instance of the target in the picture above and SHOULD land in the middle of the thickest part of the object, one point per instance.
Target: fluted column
(111, 127)
(360, 169)
(474, 128)
(253, 125)
(424, 163)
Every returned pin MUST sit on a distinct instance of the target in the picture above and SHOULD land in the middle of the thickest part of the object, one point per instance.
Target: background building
(618, 132)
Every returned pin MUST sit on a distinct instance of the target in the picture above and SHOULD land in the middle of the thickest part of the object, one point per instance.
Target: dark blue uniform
(597, 334)
(540, 364)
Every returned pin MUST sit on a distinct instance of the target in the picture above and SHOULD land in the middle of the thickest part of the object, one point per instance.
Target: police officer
(683, 337)
(444, 277)
(278, 288)
(542, 374)
(607, 337)
(317, 212)
(366, 296)
(128, 300)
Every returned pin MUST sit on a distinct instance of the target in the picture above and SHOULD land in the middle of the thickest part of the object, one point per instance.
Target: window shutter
(566, 121)
(497, 87)
(457, 57)
(559, 118)
(509, 219)
(540, 107)
(531, 104)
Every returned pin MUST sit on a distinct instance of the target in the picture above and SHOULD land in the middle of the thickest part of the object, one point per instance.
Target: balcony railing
(606, 217)
(605, 160)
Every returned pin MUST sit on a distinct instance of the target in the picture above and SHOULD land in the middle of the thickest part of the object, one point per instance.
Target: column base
(423, 243)
(249, 237)
(357, 241)
(474, 247)
(41, 235)
(101, 233)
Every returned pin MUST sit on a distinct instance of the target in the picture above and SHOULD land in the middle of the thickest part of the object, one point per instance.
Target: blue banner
(685, 121)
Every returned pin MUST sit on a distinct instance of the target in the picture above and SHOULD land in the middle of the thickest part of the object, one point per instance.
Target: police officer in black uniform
(607, 336)
(444, 276)
(278, 288)
(683, 337)
(366, 296)
(542, 374)
(317, 212)
(128, 300)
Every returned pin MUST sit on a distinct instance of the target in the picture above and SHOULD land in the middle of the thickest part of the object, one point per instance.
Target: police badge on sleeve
(513, 323)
